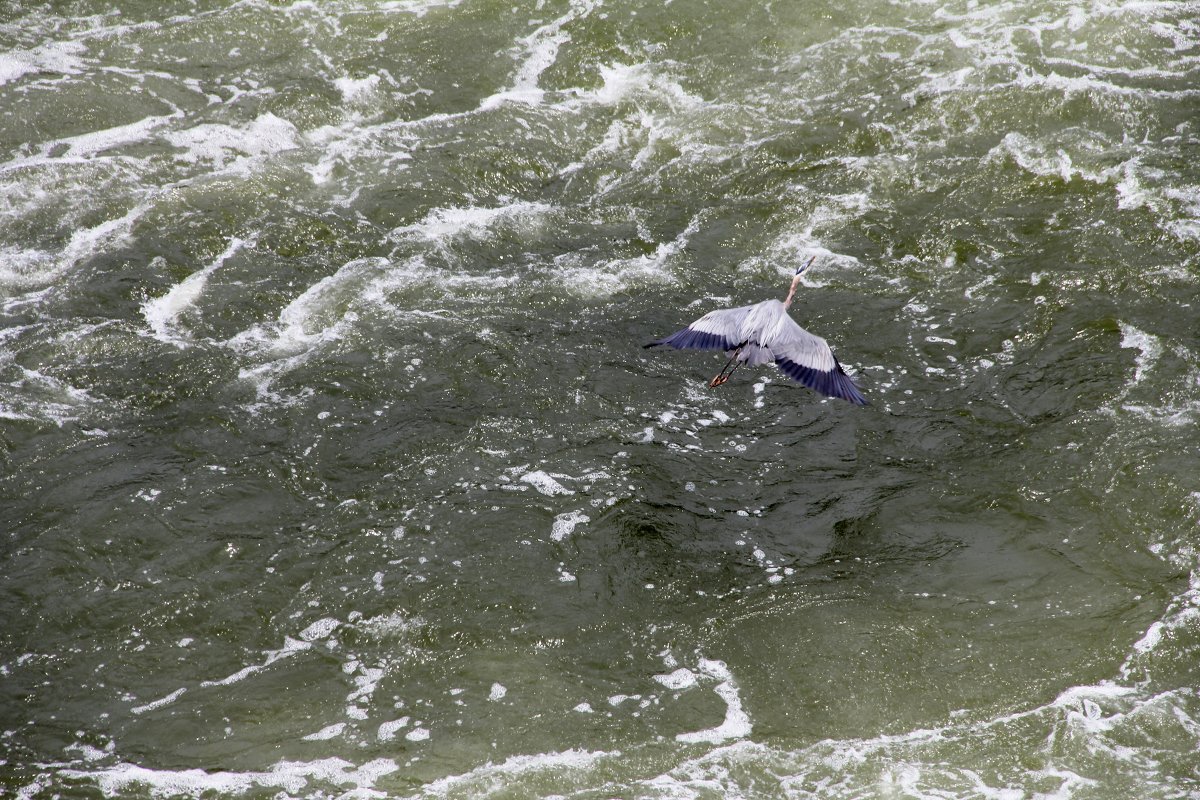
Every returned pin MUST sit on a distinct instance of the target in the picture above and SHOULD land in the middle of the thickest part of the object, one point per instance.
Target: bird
(764, 333)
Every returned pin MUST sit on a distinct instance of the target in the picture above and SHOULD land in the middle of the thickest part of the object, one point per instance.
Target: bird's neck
(791, 292)
(787, 301)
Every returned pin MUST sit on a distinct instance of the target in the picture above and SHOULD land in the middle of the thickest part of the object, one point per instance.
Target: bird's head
(796, 280)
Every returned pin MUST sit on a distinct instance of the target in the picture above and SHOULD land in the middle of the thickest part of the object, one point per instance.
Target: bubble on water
(418, 735)
(157, 704)
(321, 629)
(682, 678)
(325, 734)
(62, 57)
(357, 90)
(1149, 349)
(736, 724)
(162, 313)
(565, 524)
(391, 729)
(545, 483)
(225, 146)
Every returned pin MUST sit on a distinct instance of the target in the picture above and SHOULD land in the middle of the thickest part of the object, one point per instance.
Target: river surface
(333, 465)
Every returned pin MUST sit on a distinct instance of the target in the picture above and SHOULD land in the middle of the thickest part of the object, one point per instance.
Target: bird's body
(764, 333)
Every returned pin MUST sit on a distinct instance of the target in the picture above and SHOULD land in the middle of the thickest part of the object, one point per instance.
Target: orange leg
(726, 371)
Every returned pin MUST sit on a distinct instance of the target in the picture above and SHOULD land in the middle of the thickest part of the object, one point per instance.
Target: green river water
(332, 466)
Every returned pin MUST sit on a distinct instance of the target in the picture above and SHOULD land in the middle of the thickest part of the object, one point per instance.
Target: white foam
(390, 730)
(1105, 690)
(478, 781)
(736, 724)
(89, 144)
(537, 52)
(1042, 159)
(318, 315)
(1149, 349)
(162, 313)
(90, 753)
(621, 274)
(38, 268)
(367, 680)
(23, 267)
(224, 145)
(1131, 192)
(1136, 184)
(390, 624)
(326, 310)
(60, 57)
(418, 8)
(360, 90)
(1150, 639)
(545, 483)
(794, 248)
(164, 701)
(1095, 84)
(321, 629)
(682, 678)
(1176, 207)
(1182, 614)
(565, 524)
(443, 224)
(44, 398)
(292, 777)
(759, 392)
(621, 82)
(325, 734)
(417, 735)
(194, 782)
(498, 692)
(290, 648)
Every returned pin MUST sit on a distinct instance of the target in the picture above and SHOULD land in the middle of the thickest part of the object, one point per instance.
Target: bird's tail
(754, 354)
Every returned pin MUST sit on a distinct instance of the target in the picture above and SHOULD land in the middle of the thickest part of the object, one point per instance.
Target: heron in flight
(762, 333)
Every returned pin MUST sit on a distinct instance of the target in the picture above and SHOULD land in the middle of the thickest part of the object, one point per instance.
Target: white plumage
(764, 333)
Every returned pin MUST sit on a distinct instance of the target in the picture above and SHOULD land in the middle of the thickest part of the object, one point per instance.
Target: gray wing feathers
(798, 345)
(766, 333)
(716, 330)
(806, 358)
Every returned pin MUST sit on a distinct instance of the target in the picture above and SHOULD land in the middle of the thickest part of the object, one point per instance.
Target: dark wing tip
(853, 394)
(691, 339)
(835, 383)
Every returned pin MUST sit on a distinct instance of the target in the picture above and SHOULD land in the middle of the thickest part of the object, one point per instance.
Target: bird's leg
(723, 375)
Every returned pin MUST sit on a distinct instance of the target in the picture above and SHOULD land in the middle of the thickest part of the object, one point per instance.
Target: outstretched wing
(716, 330)
(806, 358)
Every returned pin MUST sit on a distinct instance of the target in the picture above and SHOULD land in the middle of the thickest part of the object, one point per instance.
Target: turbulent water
(333, 465)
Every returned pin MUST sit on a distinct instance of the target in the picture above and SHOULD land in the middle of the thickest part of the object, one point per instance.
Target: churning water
(333, 465)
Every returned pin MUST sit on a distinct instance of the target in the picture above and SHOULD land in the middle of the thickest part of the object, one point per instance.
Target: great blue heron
(762, 333)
